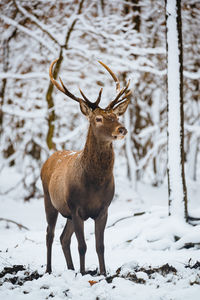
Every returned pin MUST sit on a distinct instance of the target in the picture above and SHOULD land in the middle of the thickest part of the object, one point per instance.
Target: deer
(80, 184)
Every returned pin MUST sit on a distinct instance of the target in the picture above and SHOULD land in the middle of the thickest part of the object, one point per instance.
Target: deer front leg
(100, 224)
(79, 231)
(51, 216)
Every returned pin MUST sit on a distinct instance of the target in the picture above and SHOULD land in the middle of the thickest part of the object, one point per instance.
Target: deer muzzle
(119, 133)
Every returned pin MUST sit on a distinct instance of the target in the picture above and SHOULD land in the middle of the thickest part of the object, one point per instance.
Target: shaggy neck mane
(98, 157)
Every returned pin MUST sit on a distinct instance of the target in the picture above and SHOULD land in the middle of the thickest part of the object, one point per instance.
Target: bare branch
(9, 21)
(36, 21)
(20, 226)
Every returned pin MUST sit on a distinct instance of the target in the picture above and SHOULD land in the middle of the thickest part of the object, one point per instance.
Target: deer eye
(99, 119)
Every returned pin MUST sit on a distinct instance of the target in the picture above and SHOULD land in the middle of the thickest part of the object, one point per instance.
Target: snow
(132, 243)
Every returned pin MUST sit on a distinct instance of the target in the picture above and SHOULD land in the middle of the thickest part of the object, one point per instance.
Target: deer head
(104, 121)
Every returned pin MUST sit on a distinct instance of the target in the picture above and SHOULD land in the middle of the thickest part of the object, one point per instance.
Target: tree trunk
(49, 98)
(176, 176)
(129, 152)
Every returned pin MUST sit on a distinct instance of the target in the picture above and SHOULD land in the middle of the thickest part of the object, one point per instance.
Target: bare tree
(176, 175)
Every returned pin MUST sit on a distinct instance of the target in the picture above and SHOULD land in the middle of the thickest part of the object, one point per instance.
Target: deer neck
(98, 157)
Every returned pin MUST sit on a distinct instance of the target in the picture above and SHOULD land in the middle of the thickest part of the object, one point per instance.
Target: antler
(117, 99)
(63, 89)
(125, 90)
(112, 74)
(93, 105)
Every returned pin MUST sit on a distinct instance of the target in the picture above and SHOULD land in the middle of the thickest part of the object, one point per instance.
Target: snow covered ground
(141, 246)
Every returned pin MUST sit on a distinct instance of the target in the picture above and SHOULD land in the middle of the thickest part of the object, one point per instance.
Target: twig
(16, 223)
(193, 218)
(10, 189)
(128, 217)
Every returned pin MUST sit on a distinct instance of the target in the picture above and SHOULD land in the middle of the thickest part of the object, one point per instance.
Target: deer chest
(91, 200)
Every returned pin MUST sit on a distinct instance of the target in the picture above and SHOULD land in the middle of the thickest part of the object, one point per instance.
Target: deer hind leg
(79, 231)
(51, 216)
(65, 240)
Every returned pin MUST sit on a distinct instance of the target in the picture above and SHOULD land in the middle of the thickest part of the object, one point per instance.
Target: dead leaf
(92, 282)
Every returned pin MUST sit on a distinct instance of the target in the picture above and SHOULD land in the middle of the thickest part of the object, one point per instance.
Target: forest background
(130, 37)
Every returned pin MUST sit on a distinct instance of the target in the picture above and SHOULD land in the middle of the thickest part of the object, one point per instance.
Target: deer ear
(84, 108)
(121, 108)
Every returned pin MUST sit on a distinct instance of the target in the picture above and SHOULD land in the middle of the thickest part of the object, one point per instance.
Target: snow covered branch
(30, 75)
(70, 135)
(152, 152)
(24, 114)
(192, 75)
(9, 21)
(193, 128)
(40, 25)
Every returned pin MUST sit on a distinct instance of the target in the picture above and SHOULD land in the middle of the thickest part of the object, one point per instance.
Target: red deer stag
(80, 184)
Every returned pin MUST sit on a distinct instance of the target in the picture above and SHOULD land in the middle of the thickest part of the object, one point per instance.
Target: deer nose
(122, 130)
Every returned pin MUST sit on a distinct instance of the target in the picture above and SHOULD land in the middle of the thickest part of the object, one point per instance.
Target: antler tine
(67, 92)
(84, 97)
(95, 104)
(116, 100)
(125, 97)
(61, 87)
(112, 74)
(51, 76)
(99, 97)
